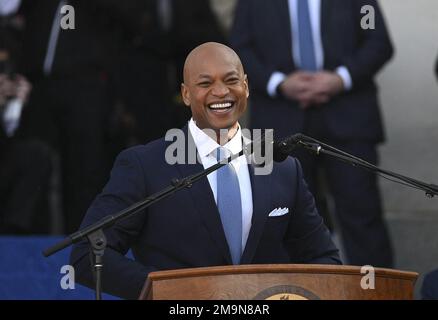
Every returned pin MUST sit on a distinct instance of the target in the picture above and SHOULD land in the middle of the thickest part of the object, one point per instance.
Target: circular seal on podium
(286, 292)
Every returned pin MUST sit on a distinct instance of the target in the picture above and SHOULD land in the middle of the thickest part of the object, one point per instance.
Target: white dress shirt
(207, 152)
(315, 20)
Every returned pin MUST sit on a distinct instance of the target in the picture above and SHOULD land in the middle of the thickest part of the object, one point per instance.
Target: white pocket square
(278, 212)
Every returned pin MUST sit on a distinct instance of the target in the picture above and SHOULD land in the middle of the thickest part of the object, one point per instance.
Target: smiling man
(215, 87)
(233, 217)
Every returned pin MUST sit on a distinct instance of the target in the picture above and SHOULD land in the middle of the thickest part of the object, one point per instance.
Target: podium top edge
(280, 268)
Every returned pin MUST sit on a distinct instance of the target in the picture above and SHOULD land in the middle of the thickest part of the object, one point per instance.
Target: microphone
(283, 148)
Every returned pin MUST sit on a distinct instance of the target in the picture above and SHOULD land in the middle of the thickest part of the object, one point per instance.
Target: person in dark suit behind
(312, 67)
(192, 228)
(68, 108)
(25, 164)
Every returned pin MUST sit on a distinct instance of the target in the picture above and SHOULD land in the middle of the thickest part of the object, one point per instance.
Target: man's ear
(185, 95)
(246, 85)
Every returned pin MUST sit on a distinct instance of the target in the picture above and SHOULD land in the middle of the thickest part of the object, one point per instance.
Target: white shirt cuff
(9, 7)
(343, 72)
(275, 79)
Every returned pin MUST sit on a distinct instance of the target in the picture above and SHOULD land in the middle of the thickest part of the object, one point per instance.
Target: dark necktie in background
(307, 46)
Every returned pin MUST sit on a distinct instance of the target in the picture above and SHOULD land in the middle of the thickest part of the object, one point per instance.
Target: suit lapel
(203, 198)
(261, 198)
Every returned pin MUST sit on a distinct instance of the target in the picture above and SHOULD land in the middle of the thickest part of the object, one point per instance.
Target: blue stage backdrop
(26, 274)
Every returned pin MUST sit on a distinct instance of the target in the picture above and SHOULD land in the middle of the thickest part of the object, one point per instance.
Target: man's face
(215, 88)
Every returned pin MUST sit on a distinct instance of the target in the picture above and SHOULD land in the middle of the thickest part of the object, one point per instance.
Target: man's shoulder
(287, 170)
(290, 164)
(149, 151)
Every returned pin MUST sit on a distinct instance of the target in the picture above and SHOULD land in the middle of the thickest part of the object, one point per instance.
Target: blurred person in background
(69, 105)
(312, 67)
(25, 164)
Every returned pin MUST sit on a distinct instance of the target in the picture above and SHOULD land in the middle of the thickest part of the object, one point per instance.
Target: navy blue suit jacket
(185, 230)
(262, 37)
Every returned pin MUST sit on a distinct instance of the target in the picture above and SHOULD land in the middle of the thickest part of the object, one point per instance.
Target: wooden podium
(278, 281)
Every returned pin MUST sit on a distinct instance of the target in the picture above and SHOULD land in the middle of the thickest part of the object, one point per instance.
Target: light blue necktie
(307, 47)
(230, 206)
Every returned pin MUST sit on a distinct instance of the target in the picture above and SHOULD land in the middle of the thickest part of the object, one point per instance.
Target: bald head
(210, 51)
(215, 87)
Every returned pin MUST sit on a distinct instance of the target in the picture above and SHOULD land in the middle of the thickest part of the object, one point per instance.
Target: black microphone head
(279, 152)
(284, 148)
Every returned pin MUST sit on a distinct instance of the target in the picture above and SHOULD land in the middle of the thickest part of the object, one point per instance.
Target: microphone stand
(318, 148)
(94, 232)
